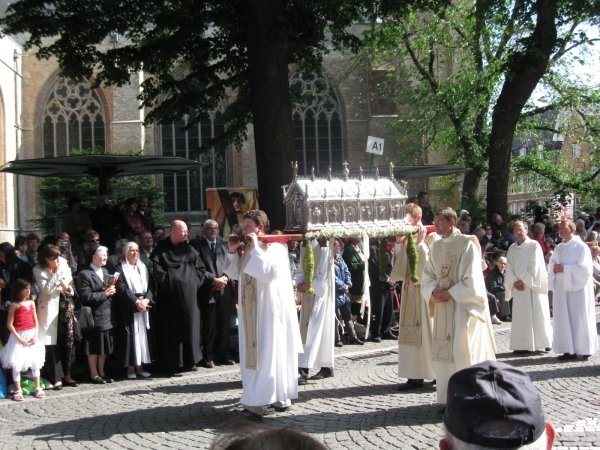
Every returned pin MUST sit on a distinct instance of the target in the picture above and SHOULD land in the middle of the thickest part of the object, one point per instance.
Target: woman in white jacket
(53, 277)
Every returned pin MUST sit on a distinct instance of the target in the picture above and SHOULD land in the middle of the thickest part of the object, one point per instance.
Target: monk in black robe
(179, 273)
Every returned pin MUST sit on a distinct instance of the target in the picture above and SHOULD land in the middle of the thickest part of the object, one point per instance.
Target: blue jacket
(342, 279)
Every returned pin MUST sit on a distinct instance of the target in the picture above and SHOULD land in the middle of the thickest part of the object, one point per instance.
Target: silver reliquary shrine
(344, 203)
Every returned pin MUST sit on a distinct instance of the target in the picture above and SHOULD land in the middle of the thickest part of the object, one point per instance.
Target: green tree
(239, 46)
(467, 73)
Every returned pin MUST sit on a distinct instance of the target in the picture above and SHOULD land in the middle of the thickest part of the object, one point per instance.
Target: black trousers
(58, 359)
(382, 309)
(215, 329)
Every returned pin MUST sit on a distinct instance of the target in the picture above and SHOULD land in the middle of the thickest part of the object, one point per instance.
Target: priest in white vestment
(526, 282)
(415, 360)
(570, 278)
(317, 315)
(269, 337)
(454, 283)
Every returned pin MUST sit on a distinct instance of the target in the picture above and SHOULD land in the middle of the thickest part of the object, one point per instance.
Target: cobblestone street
(359, 408)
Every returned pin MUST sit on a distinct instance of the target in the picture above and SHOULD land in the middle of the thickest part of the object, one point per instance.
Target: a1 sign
(375, 145)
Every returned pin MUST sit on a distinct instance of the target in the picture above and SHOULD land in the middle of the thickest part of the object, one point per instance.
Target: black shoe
(249, 415)
(98, 380)
(173, 374)
(521, 352)
(57, 387)
(547, 349)
(376, 340)
(356, 341)
(302, 381)
(586, 356)
(411, 383)
(566, 356)
(279, 408)
(70, 383)
(389, 336)
(322, 374)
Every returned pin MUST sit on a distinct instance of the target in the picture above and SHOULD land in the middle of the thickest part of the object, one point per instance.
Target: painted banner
(228, 205)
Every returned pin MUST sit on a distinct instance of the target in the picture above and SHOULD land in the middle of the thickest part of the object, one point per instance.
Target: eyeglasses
(488, 229)
(437, 222)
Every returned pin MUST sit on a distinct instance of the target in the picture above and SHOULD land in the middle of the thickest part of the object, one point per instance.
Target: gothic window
(317, 123)
(185, 191)
(73, 118)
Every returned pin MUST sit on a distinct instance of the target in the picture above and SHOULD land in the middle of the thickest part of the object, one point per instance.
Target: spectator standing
(12, 268)
(570, 278)
(63, 243)
(381, 295)
(106, 220)
(215, 297)
(343, 310)
(426, 208)
(133, 325)
(54, 278)
(357, 265)
(179, 274)
(146, 247)
(76, 220)
(95, 293)
(33, 243)
(131, 223)
(144, 213)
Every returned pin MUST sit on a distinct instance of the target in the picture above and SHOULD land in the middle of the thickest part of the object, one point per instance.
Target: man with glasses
(453, 282)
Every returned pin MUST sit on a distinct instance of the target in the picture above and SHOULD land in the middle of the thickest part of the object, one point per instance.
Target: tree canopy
(200, 52)
(467, 74)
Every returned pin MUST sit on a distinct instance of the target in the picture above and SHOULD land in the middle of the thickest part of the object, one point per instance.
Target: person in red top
(538, 236)
(23, 350)
(131, 223)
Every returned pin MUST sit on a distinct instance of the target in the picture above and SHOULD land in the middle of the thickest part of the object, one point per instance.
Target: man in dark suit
(215, 297)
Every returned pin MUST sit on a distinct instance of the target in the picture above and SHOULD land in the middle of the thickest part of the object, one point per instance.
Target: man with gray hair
(494, 405)
(580, 229)
(214, 299)
(526, 281)
(570, 278)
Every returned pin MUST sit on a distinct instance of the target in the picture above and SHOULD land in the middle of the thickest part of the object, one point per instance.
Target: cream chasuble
(462, 332)
(415, 360)
(268, 327)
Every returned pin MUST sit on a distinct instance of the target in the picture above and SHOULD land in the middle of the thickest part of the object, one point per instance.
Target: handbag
(85, 319)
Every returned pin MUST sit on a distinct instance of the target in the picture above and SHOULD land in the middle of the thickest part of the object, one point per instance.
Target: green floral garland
(308, 265)
(413, 256)
(374, 232)
(384, 259)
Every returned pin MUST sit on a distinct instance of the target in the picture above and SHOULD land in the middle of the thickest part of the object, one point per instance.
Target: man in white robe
(415, 359)
(453, 279)
(526, 282)
(570, 278)
(269, 337)
(317, 315)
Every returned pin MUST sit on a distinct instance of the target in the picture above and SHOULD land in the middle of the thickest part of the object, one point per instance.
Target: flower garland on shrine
(308, 265)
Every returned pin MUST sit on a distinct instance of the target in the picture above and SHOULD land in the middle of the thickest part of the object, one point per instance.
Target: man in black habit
(179, 273)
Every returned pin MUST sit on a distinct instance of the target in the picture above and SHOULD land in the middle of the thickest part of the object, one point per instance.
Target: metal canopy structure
(409, 172)
(102, 167)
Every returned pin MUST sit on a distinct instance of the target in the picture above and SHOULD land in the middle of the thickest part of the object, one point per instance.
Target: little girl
(23, 350)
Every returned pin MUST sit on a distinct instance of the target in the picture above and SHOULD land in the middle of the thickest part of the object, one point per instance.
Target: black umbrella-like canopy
(102, 167)
(408, 172)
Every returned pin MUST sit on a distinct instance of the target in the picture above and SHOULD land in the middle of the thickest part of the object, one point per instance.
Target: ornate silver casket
(345, 204)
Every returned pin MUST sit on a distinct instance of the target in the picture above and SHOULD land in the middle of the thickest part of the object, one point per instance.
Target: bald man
(179, 272)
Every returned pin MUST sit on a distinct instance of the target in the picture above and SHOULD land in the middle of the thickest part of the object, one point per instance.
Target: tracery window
(317, 125)
(73, 118)
(185, 191)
